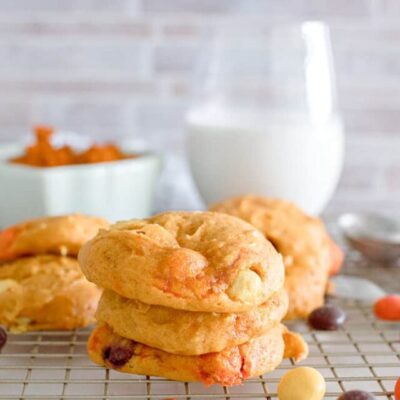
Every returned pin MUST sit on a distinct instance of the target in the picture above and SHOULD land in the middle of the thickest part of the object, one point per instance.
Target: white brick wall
(123, 68)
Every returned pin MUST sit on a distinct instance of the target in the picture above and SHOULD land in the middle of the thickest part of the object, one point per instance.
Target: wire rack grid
(365, 354)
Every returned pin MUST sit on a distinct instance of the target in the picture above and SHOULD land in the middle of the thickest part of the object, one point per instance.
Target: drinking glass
(265, 118)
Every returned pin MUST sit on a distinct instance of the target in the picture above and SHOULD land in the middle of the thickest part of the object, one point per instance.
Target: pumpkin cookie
(187, 332)
(309, 254)
(49, 235)
(46, 292)
(196, 261)
(228, 367)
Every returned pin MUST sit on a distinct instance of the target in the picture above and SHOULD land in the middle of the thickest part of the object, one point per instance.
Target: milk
(287, 157)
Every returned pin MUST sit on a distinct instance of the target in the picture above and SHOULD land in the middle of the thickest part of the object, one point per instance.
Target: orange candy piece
(388, 308)
(397, 390)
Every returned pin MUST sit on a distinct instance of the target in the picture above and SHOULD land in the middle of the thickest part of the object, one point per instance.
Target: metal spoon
(375, 236)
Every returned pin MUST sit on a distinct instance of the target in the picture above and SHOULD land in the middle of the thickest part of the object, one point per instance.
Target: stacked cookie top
(192, 296)
(309, 254)
(41, 283)
(198, 261)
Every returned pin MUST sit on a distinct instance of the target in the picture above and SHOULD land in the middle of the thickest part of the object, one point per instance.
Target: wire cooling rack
(365, 354)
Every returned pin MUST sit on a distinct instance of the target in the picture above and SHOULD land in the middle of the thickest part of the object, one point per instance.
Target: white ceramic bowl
(114, 190)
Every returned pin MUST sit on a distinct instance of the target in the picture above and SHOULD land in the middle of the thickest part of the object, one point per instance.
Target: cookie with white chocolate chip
(196, 261)
(187, 332)
(62, 235)
(309, 254)
(228, 367)
(46, 292)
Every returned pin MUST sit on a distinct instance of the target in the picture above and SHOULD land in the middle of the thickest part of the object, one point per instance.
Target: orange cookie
(309, 254)
(196, 261)
(228, 367)
(188, 332)
(46, 292)
(49, 235)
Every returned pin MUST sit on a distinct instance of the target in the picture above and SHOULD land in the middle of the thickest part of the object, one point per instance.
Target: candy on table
(397, 390)
(327, 318)
(3, 337)
(388, 308)
(302, 383)
(356, 395)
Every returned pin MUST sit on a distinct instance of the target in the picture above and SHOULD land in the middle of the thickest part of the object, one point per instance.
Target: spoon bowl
(375, 236)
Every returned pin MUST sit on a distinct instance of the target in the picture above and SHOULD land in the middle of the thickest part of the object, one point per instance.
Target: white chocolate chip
(256, 234)
(246, 286)
(23, 321)
(288, 261)
(64, 251)
(6, 284)
(21, 325)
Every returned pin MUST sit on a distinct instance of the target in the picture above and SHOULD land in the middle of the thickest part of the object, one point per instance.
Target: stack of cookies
(41, 284)
(191, 296)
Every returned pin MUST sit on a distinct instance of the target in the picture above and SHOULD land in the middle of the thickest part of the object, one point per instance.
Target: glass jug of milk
(266, 120)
